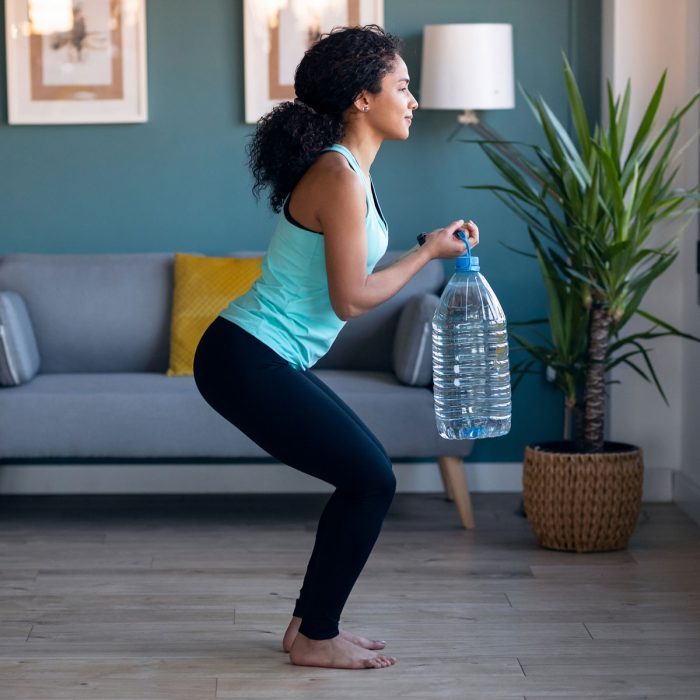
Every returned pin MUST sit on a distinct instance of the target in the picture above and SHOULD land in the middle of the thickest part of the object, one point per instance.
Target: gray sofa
(102, 327)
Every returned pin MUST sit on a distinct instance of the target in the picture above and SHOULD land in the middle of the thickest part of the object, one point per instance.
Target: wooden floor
(173, 597)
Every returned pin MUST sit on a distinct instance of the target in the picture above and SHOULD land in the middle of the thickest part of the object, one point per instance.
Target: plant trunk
(573, 422)
(578, 435)
(568, 412)
(594, 429)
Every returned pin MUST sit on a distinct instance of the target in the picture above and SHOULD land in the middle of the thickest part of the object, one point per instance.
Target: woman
(252, 363)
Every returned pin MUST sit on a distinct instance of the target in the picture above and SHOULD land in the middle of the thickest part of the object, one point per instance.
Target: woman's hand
(446, 243)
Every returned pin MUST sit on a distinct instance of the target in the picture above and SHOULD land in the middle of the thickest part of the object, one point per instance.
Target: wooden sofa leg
(454, 477)
(445, 481)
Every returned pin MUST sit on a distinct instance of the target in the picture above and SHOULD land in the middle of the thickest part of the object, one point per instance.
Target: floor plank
(135, 597)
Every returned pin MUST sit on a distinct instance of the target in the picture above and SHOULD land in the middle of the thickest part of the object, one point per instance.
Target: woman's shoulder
(331, 171)
(330, 163)
(328, 182)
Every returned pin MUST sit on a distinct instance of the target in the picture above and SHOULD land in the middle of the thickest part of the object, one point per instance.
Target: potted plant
(590, 206)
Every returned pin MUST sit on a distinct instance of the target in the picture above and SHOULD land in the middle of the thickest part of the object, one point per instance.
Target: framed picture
(76, 61)
(276, 35)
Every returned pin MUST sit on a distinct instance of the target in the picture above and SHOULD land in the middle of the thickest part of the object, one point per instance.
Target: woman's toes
(373, 644)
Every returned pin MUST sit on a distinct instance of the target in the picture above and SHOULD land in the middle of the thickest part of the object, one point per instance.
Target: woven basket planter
(582, 502)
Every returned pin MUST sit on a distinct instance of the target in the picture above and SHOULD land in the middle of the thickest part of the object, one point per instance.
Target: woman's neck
(364, 149)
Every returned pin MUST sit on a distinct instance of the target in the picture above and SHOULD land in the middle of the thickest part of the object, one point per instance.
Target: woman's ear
(361, 102)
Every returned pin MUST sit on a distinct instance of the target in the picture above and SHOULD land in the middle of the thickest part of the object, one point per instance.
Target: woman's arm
(383, 284)
(342, 216)
(441, 243)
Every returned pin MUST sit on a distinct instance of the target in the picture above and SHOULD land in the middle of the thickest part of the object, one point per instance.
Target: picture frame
(276, 33)
(90, 69)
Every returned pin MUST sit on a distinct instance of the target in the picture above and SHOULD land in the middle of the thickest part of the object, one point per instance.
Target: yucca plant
(590, 208)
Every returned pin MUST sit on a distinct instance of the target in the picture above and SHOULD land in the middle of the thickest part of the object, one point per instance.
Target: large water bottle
(471, 374)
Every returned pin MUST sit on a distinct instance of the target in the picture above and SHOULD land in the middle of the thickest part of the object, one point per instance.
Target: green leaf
(527, 217)
(613, 131)
(645, 354)
(551, 283)
(646, 335)
(667, 326)
(511, 174)
(617, 248)
(624, 113)
(587, 280)
(520, 252)
(571, 156)
(528, 323)
(637, 370)
(520, 374)
(541, 353)
(648, 118)
(611, 183)
(578, 111)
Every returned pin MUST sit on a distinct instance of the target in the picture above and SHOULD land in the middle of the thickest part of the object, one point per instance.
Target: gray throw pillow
(19, 355)
(413, 343)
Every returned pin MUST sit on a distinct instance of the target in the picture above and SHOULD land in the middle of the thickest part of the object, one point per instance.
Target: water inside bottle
(471, 375)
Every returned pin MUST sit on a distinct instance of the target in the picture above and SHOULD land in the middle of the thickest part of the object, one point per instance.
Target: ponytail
(285, 144)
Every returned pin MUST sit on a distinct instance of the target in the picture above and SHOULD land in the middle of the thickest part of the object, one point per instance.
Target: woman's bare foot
(293, 630)
(335, 653)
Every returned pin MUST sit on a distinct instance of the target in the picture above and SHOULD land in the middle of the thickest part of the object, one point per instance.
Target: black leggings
(301, 422)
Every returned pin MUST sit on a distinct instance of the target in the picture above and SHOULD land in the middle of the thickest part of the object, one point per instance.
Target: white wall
(640, 39)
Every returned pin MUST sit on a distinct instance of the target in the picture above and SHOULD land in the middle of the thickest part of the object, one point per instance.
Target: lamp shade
(467, 66)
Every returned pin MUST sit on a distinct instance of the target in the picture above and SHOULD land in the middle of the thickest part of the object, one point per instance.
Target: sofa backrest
(96, 312)
(111, 312)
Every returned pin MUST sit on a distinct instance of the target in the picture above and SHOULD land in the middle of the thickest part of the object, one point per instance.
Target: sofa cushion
(149, 415)
(413, 346)
(95, 312)
(204, 285)
(19, 355)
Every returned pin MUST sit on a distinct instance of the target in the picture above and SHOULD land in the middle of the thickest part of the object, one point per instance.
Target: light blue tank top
(288, 307)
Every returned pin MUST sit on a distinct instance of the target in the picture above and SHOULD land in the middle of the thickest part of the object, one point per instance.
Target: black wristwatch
(421, 236)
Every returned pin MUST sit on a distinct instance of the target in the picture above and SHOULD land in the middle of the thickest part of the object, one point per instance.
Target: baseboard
(412, 477)
(686, 494)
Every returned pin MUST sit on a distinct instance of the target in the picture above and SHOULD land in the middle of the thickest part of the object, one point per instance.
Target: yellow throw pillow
(203, 288)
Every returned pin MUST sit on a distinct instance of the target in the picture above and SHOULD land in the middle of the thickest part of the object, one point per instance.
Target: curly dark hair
(332, 73)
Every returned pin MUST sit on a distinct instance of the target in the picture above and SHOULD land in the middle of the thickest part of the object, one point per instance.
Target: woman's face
(390, 111)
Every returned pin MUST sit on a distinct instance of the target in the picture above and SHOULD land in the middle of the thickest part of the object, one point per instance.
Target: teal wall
(179, 182)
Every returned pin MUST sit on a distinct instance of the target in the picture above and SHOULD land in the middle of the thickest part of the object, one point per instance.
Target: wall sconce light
(469, 67)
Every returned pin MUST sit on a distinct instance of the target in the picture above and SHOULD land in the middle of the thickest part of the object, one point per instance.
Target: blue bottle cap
(467, 262)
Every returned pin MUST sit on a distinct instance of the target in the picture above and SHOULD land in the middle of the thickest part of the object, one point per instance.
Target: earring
(365, 109)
